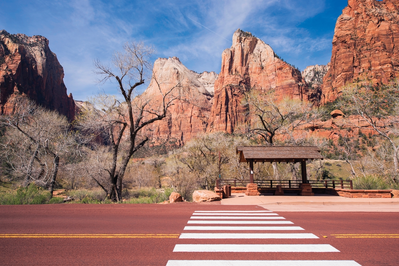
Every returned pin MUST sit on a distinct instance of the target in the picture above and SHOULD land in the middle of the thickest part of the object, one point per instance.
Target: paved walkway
(316, 203)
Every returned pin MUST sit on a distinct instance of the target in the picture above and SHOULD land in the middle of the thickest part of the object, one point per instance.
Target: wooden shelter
(294, 154)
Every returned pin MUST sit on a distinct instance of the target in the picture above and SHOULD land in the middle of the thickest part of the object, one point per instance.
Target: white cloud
(196, 31)
(302, 9)
(299, 45)
(83, 12)
(212, 27)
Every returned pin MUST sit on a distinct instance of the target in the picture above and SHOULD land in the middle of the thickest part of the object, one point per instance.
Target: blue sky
(197, 31)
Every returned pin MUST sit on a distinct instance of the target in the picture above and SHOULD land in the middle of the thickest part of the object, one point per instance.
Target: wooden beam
(251, 171)
(303, 171)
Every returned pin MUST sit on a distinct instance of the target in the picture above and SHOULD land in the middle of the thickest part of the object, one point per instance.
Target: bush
(26, 195)
(326, 174)
(134, 196)
(142, 200)
(148, 196)
(370, 182)
(88, 196)
(56, 200)
(36, 195)
(167, 192)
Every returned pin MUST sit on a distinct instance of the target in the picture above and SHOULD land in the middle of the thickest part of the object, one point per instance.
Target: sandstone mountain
(250, 64)
(81, 106)
(313, 75)
(188, 116)
(365, 45)
(28, 67)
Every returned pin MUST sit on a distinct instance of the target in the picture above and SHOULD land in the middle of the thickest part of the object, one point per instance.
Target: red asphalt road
(171, 219)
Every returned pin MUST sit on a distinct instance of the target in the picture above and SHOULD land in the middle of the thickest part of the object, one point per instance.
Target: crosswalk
(237, 227)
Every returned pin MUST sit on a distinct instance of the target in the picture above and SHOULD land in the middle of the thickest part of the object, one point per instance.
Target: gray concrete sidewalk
(317, 203)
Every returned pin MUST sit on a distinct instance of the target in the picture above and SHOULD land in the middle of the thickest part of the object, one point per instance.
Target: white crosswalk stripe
(239, 222)
(236, 217)
(226, 223)
(247, 236)
(235, 214)
(254, 248)
(232, 211)
(246, 228)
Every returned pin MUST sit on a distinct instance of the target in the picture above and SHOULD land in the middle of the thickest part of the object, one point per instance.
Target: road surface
(193, 234)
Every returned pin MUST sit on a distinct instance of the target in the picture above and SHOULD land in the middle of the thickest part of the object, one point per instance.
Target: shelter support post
(251, 172)
(252, 188)
(306, 188)
(303, 172)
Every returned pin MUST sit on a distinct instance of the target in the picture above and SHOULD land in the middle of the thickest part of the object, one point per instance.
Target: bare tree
(277, 119)
(349, 154)
(36, 139)
(208, 156)
(123, 123)
(379, 107)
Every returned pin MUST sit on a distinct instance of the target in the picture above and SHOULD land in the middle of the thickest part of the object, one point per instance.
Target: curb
(330, 203)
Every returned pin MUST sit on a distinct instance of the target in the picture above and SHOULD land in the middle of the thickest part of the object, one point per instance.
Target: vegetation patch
(25, 195)
(373, 182)
(133, 196)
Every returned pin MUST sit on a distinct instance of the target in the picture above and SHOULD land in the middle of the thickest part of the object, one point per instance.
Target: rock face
(205, 196)
(364, 45)
(340, 125)
(188, 116)
(28, 67)
(81, 106)
(313, 75)
(250, 64)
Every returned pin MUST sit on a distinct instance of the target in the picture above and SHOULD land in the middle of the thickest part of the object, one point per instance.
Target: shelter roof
(278, 153)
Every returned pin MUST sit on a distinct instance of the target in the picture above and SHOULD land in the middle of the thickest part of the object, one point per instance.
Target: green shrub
(89, 200)
(87, 196)
(370, 182)
(26, 195)
(326, 174)
(168, 191)
(139, 196)
(56, 200)
(148, 196)
(142, 200)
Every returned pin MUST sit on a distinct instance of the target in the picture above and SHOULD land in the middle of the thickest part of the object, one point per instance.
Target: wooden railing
(290, 184)
(343, 184)
(231, 182)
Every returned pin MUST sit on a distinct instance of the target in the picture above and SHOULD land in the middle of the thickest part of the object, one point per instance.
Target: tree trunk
(275, 171)
(159, 182)
(120, 188)
(54, 176)
(30, 166)
(113, 191)
(352, 169)
(294, 171)
(395, 161)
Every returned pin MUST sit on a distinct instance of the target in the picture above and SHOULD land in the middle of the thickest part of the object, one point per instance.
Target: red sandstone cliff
(187, 117)
(250, 64)
(365, 44)
(28, 67)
